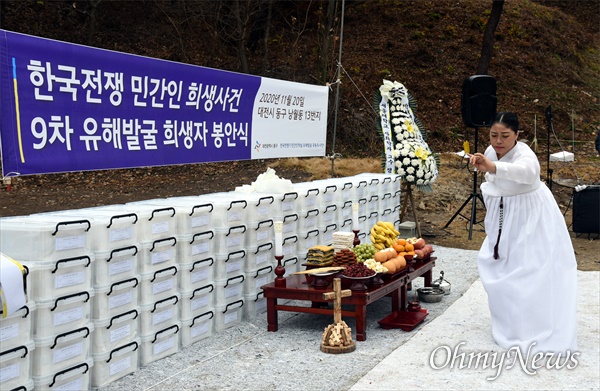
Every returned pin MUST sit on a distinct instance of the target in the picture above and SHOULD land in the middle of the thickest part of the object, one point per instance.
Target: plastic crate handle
(135, 218)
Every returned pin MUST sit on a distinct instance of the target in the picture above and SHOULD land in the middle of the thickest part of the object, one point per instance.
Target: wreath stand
(406, 189)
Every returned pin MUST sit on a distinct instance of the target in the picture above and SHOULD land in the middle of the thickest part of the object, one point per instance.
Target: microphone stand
(549, 170)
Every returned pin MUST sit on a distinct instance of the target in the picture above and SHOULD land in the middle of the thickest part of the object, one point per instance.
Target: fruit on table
(383, 235)
(385, 254)
(376, 266)
(364, 251)
(358, 270)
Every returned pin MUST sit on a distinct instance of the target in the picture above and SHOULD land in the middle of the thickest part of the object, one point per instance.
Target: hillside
(545, 53)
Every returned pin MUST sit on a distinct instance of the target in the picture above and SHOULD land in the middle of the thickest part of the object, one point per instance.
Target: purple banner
(68, 107)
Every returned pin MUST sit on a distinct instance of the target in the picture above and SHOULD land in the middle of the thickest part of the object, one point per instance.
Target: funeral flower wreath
(405, 151)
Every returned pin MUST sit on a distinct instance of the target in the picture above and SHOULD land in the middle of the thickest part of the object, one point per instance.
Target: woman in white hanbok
(526, 263)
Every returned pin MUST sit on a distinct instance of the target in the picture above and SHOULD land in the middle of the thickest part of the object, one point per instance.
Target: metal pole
(337, 92)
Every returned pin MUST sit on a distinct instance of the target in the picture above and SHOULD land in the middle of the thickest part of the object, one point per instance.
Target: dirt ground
(44, 193)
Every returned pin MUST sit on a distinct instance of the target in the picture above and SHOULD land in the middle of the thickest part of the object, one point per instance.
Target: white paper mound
(267, 182)
(563, 156)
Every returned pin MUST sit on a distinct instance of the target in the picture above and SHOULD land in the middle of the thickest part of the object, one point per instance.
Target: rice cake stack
(342, 240)
(344, 257)
(320, 256)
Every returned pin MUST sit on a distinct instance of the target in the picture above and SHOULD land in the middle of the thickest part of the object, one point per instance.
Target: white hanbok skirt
(532, 286)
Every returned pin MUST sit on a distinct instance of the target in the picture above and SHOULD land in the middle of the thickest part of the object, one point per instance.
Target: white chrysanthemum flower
(415, 162)
(398, 163)
(420, 182)
(420, 173)
(405, 151)
(427, 175)
(410, 178)
(410, 170)
(401, 171)
(406, 161)
(411, 154)
(395, 121)
(395, 153)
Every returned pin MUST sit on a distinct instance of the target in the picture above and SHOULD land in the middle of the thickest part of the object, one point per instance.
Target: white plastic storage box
(153, 221)
(114, 364)
(116, 298)
(345, 211)
(158, 315)
(62, 314)
(227, 316)
(291, 265)
(387, 183)
(327, 234)
(61, 277)
(373, 203)
(15, 365)
(372, 219)
(359, 187)
(196, 302)
(255, 279)
(230, 208)
(328, 191)
(288, 203)
(192, 213)
(196, 328)
(115, 331)
(258, 257)
(115, 265)
(363, 223)
(229, 290)
(308, 239)
(158, 254)
(386, 202)
(229, 239)
(254, 305)
(345, 189)
(289, 246)
(158, 285)
(44, 238)
(109, 229)
(346, 225)
(261, 206)
(260, 232)
(193, 247)
(76, 377)
(17, 328)
(388, 215)
(158, 221)
(160, 344)
(309, 196)
(197, 274)
(61, 351)
(230, 264)
(328, 215)
(290, 224)
(309, 219)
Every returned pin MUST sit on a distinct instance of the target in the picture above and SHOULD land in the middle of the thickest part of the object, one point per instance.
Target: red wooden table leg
(272, 314)
(361, 322)
(427, 278)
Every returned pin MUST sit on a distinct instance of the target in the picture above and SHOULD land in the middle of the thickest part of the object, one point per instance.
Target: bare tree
(488, 37)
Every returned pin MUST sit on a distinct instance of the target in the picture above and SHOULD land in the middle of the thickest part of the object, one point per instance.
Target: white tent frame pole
(337, 91)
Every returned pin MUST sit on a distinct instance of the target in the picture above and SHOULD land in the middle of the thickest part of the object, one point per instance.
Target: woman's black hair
(508, 119)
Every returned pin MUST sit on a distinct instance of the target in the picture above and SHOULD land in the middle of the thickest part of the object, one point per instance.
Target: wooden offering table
(395, 286)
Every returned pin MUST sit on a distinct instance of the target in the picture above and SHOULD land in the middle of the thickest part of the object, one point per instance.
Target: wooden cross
(337, 295)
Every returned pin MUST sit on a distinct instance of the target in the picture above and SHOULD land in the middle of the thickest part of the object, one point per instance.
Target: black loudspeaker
(478, 101)
(586, 210)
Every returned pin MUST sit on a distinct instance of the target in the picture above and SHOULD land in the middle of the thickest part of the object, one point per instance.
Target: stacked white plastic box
(197, 262)
(230, 222)
(57, 251)
(308, 209)
(158, 288)
(16, 349)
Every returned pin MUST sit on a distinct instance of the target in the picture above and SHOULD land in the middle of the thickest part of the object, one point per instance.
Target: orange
(402, 242)
(398, 247)
(409, 247)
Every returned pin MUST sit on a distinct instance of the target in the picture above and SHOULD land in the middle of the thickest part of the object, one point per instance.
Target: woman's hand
(481, 163)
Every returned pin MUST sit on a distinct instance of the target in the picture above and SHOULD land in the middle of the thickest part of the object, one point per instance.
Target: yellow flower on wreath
(422, 153)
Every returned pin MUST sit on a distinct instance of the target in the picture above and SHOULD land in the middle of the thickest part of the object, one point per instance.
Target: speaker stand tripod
(472, 197)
